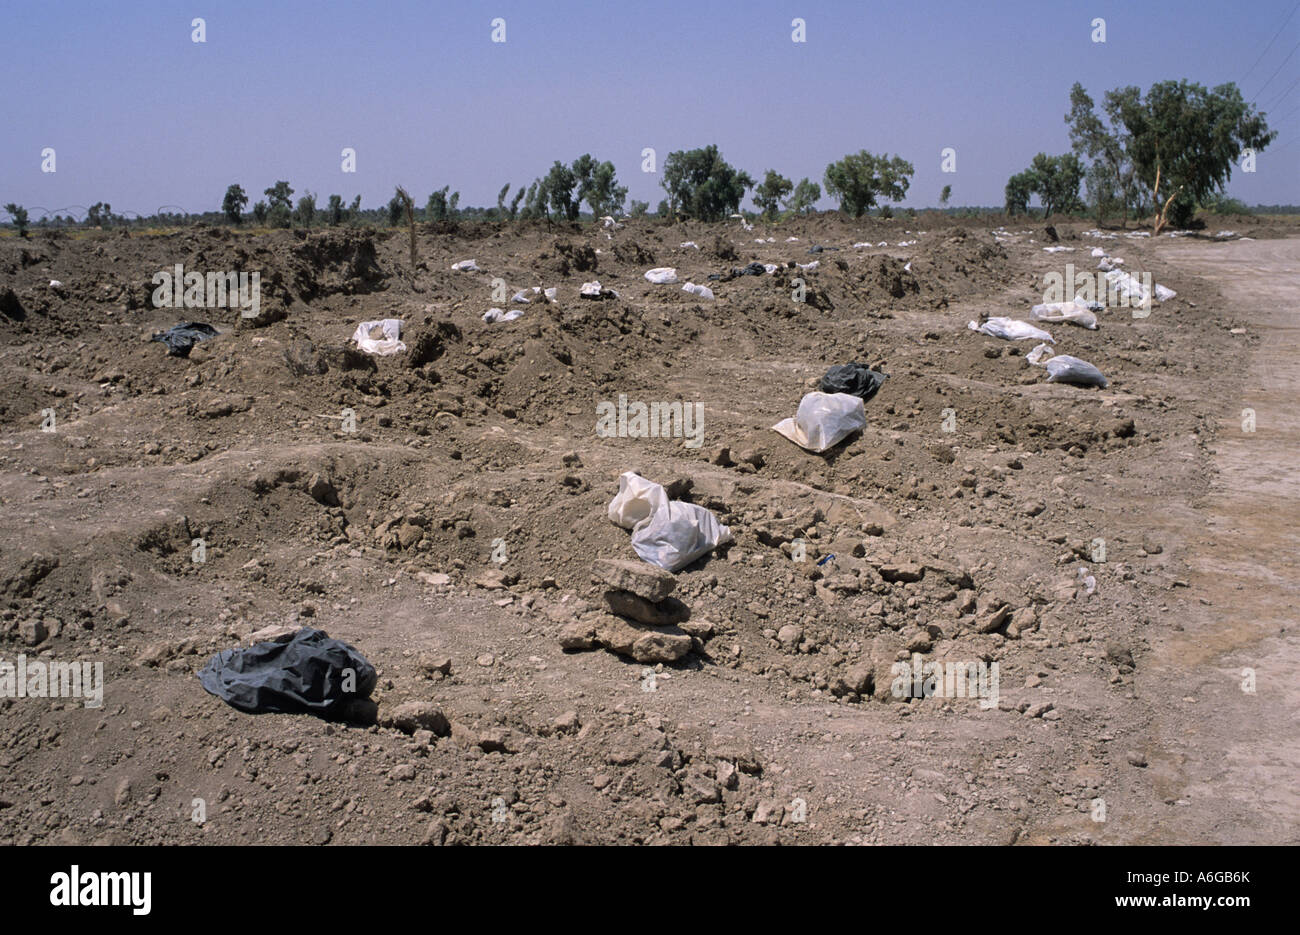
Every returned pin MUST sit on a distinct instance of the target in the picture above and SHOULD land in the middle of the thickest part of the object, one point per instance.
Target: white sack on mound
(667, 533)
(823, 420)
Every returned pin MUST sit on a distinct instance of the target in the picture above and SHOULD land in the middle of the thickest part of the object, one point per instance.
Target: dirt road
(1227, 756)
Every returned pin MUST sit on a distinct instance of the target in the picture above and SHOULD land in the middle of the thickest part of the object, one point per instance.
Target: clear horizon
(141, 117)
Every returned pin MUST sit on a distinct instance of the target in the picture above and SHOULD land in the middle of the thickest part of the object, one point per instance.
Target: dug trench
(452, 537)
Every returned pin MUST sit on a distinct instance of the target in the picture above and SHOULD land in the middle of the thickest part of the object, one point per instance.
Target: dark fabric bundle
(181, 338)
(310, 673)
(854, 379)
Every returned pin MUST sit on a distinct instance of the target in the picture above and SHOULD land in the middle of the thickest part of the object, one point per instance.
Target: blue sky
(140, 116)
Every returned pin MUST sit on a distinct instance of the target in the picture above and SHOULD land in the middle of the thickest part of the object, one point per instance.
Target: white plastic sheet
(667, 533)
(380, 337)
(493, 315)
(465, 266)
(823, 420)
(704, 292)
(1074, 313)
(662, 275)
(1010, 330)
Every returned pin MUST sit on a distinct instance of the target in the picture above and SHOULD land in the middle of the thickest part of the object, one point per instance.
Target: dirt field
(958, 522)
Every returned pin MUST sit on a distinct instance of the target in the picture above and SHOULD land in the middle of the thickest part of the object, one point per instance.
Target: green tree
(1184, 140)
(638, 209)
(806, 194)
(396, 210)
(233, 204)
(1104, 197)
(663, 209)
(860, 178)
(281, 195)
(1019, 187)
(334, 210)
(598, 186)
(702, 185)
(306, 209)
(1056, 180)
(769, 195)
(514, 203)
(354, 209)
(452, 203)
(1106, 147)
(501, 200)
(944, 196)
(19, 215)
(435, 209)
(259, 212)
(558, 185)
(100, 214)
(279, 215)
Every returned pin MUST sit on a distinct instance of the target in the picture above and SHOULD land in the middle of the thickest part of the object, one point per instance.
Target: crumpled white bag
(1075, 313)
(823, 420)
(388, 343)
(662, 275)
(493, 315)
(1009, 329)
(667, 533)
(704, 292)
(1066, 369)
(465, 266)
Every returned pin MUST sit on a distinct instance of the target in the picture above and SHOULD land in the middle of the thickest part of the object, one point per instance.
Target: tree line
(1161, 155)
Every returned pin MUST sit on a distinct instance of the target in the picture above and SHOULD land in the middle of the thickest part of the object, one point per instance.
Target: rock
(1022, 621)
(901, 571)
(1033, 507)
(276, 633)
(991, 612)
(640, 578)
(430, 663)
(699, 789)
(493, 579)
(1136, 759)
(33, 631)
(1151, 547)
(578, 635)
(633, 606)
(434, 578)
(769, 812)
(859, 678)
(789, 636)
(122, 792)
(435, 834)
(567, 723)
(402, 772)
(494, 740)
(661, 647)
(322, 491)
(409, 535)
(410, 716)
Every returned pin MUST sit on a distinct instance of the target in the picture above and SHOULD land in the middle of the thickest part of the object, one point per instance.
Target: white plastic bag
(1066, 369)
(823, 420)
(704, 292)
(550, 293)
(667, 533)
(590, 289)
(1010, 330)
(1075, 313)
(465, 266)
(380, 337)
(662, 275)
(520, 297)
(493, 315)
(1164, 293)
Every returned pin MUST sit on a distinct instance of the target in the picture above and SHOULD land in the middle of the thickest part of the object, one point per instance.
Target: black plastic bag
(855, 379)
(306, 674)
(181, 338)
